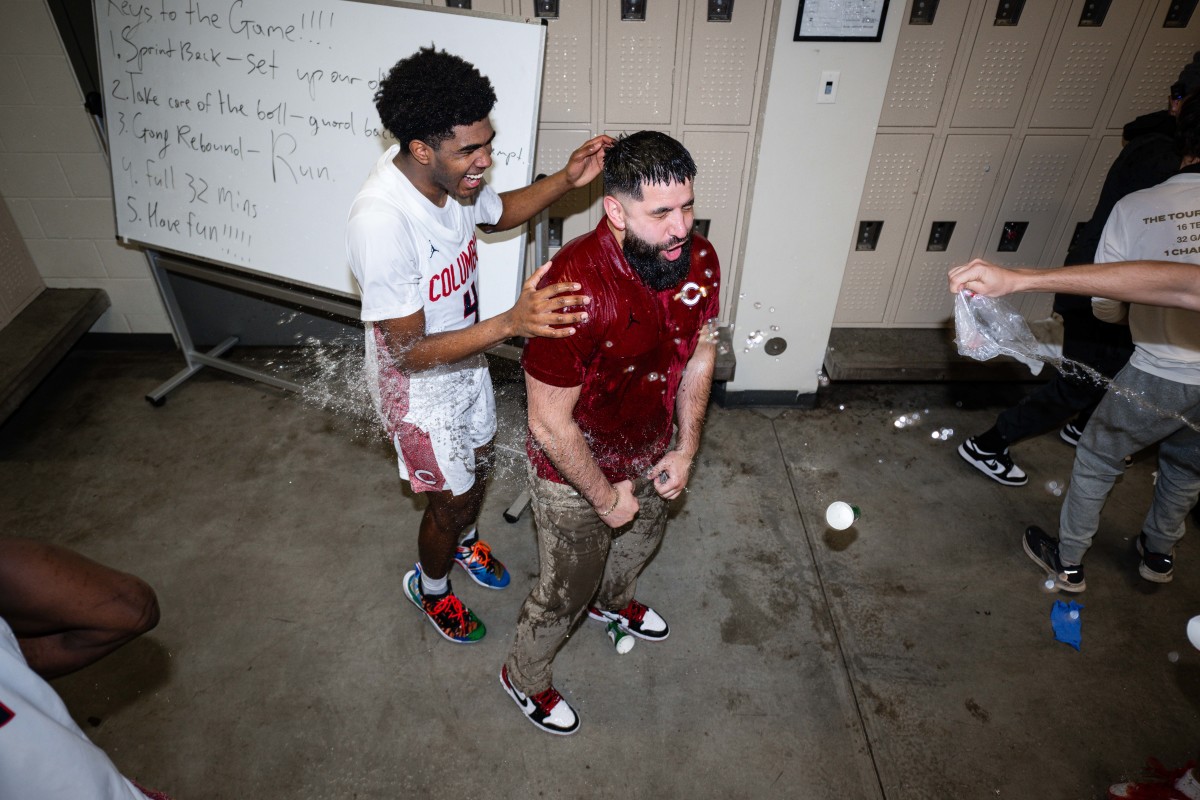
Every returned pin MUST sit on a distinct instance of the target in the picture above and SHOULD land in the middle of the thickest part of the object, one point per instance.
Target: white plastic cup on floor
(841, 515)
(620, 639)
(1193, 631)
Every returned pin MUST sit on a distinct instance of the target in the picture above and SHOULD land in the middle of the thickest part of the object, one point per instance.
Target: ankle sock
(433, 587)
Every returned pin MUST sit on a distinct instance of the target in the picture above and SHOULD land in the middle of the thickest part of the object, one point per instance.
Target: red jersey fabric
(628, 357)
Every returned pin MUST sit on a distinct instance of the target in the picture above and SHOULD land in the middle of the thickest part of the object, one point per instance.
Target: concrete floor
(908, 657)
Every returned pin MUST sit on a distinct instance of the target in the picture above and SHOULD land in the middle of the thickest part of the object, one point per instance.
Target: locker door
(1036, 191)
(1001, 65)
(966, 176)
(577, 212)
(639, 70)
(720, 163)
(1083, 65)
(566, 79)
(924, 57)
(491, 6)
(724, 64)
(1089, 194)
(892, 180)
(1164, 52)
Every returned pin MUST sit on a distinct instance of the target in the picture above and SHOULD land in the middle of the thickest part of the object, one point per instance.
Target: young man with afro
(412, 248)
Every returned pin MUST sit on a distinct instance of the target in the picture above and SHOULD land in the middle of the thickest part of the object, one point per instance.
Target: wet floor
(908, 656)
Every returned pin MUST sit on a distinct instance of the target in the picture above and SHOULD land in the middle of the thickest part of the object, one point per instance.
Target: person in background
(1150, 155)
(60, 612)
(1154, 399)
(412, 248)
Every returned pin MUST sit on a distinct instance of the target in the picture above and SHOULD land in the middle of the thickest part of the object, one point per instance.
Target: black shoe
(1044, 552)
(997, 466)
(1157, 567)
(1071, 433)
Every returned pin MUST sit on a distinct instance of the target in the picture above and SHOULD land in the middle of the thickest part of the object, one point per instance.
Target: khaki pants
(582, 562)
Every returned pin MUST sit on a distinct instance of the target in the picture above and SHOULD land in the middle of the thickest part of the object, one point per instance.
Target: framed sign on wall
(840, 20)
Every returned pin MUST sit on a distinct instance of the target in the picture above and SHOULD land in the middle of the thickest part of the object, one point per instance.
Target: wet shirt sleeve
(385, 265)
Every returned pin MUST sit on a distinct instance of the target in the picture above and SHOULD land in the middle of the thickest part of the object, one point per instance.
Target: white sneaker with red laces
(546, 709)
(640, 620)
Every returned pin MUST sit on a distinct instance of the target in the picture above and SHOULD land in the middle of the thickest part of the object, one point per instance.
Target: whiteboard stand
(161, 268)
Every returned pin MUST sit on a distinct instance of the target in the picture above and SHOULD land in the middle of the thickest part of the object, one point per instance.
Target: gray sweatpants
(1138, 410)
(581, 560)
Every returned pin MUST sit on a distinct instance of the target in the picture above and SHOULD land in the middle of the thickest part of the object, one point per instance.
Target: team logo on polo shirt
(691, 292)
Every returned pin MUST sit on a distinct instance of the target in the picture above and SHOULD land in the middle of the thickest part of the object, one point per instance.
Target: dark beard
(647, 261)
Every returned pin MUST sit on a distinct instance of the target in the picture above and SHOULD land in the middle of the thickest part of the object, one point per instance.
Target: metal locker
(921, 68)
(1001, 64)
(720, 164)
(1036, 191)
(1088, 196)
(639, 72)
(884, 215)
(1164, 51)
(566, 79)
(724, 65)
(577, 212)
(1083, 64)
(966, 176)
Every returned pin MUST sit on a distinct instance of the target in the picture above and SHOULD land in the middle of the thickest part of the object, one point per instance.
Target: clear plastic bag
(985, 327)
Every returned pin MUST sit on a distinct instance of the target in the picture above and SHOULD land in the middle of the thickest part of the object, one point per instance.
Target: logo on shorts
(425, 476)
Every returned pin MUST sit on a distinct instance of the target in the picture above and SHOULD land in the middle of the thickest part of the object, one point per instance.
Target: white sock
(469, 538)
(1188, 786)
(434, 586)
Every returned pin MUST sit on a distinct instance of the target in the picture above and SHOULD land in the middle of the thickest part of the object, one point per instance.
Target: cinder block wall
(54, 175)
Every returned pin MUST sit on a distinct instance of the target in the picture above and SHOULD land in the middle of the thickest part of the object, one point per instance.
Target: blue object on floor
(1067, 621)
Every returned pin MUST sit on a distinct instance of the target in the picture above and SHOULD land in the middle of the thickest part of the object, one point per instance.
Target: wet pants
(582, 562)
(1123, 426)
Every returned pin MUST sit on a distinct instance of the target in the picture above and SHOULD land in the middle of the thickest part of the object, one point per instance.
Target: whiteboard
(240, 131)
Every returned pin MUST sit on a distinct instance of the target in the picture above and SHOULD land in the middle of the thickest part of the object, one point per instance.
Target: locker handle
(1093, 13)
(1008, 12)
(1179, 13)
(923, 12)
(939, 236)
(545, 9)
(633, 10)
(868, 234)
(720, 10)
(1010, 236)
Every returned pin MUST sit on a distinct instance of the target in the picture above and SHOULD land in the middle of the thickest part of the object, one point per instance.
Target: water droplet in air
(708, 273)
(608, 344)
(1172, 656)
(653, 376)
(757, 304)
(1073, 614)
(771, 309)
(774, 327)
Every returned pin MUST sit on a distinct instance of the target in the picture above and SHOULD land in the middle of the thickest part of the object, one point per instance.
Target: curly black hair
(427, 94)
(645, 157)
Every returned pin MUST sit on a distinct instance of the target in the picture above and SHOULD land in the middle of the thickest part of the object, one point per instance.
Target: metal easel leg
(196, 359)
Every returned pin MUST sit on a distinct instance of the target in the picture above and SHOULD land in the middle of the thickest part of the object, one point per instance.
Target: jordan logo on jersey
(457, 275)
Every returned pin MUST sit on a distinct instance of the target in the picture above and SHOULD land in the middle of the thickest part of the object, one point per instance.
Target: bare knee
(142, 607)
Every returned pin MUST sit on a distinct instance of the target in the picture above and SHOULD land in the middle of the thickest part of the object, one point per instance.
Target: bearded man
(605, 406)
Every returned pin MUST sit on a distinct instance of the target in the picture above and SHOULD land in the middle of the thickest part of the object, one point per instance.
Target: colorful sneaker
(547, 710)
(997, 466)
(1178, 784)
(483, 567)
(1156, 567)
(446, 613)
(1071, 433)
(640, 620)
(1044, 552)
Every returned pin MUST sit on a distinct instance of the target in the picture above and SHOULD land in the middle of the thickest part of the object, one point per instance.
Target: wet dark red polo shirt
(630, 354)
